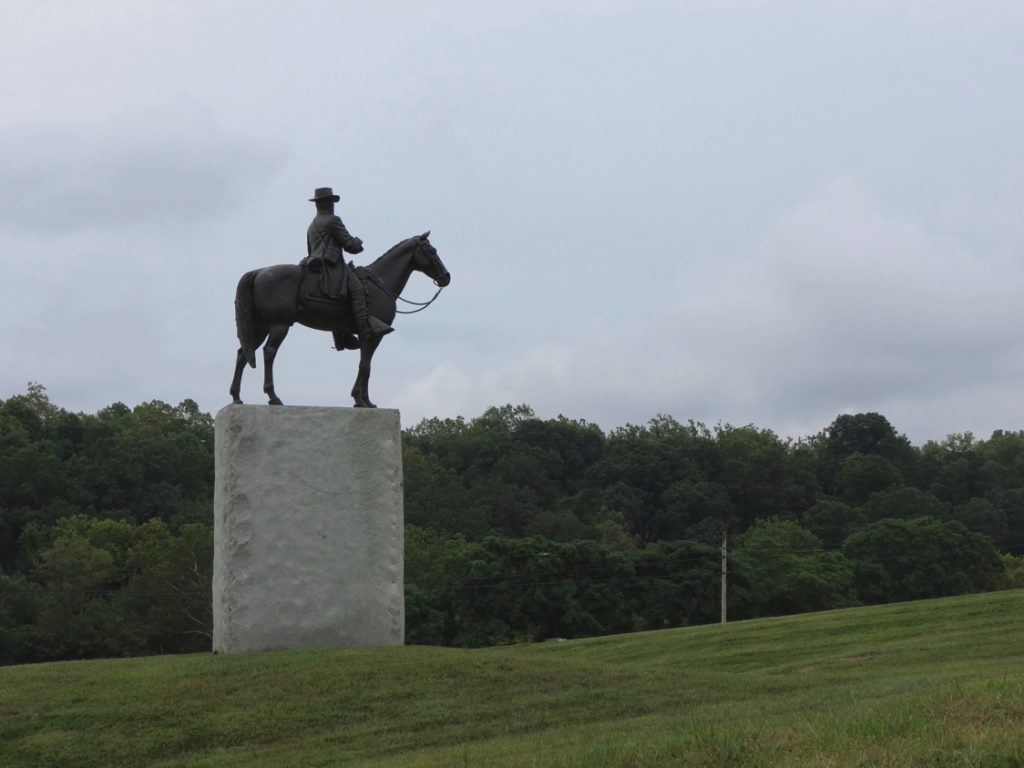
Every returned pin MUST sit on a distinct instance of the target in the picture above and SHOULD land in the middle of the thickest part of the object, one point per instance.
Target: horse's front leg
(361, 389)
(277, 334)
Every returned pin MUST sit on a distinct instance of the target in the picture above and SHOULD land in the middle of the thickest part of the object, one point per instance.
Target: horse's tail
(245, 317)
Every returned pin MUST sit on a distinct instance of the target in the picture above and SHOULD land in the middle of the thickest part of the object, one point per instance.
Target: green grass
(932, 683)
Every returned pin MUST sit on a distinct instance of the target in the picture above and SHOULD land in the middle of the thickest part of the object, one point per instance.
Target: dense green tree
(19, 606)
(644, 462)
(870, 434)
(709, 530)
(618, 502)
(167, 590)
(982, 516)
(904, 501)
(502, 590)
(101, 587)
(867, 434)
(781, 568)
(516, 472)
(560, 524)
(74, 618)
(687, 502)
(677, 584)
(832, 520)
(1013, 572)
(611, 530)
(433, 567)
(132, 464)
(801, 486)
(564, 449)
(154, 461)
(919, 558)
(753, 472)
(508, 509)
(862, 474)
(539, 589)
(951, 470)
(436, 498)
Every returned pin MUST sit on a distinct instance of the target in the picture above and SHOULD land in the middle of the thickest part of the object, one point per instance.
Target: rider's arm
(342, 237)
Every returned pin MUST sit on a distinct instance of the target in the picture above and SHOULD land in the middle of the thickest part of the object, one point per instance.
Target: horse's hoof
(236, 401)
(365, 404)
(275, 401)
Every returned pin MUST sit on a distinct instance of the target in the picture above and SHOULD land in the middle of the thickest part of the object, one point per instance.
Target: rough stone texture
(308, 528)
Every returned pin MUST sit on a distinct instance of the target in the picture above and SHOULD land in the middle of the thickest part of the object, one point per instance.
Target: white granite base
(308, 528)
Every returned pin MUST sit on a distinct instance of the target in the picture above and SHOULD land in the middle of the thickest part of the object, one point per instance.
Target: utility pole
(725, 571)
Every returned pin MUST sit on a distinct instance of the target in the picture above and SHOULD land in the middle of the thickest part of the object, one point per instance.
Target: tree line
(522, 528)
(518, 528)
(106, 544)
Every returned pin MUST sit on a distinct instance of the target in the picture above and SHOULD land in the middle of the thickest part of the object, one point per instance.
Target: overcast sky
(724, 210)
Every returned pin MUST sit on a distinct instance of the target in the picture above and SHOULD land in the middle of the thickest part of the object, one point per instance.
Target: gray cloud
(741, 211)
(127, 170)
(839, 307)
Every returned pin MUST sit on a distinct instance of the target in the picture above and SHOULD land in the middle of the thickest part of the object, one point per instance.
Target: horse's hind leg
(361, 389)
(277, 334)
(236, 382)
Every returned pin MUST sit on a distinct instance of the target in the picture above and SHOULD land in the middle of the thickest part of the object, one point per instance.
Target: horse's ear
(425, 235)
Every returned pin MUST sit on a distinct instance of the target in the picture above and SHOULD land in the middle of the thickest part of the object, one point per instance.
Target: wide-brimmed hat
(324, 193)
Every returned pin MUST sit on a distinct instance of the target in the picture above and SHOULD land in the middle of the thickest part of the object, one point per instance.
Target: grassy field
(932, 683)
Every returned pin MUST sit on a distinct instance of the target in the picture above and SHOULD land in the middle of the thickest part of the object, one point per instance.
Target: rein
(421, 304)
(395, 297)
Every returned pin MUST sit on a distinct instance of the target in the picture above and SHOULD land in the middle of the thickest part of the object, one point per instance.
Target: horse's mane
(390, 251)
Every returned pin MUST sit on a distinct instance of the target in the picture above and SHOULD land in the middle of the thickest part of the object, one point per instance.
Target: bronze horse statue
(268, 302)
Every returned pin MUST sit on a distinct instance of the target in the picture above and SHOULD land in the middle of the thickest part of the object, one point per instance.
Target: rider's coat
(326, 238)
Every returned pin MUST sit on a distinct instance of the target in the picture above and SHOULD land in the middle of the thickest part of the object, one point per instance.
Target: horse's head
(427, 261)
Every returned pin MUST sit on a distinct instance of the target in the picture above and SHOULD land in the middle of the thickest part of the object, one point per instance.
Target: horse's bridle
(396, 298)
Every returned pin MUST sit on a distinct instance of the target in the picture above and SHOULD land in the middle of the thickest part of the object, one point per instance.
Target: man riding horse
(327, 240)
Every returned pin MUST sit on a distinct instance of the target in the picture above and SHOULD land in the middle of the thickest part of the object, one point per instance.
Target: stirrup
(345, 341)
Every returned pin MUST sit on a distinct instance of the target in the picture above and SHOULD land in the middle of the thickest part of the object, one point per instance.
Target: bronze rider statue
(327, 240)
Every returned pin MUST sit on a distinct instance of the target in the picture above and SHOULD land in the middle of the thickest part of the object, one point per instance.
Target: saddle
(324, 283)
(327, 288)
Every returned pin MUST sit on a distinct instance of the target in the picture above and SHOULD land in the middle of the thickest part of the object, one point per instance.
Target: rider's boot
(367, 326)
(345, 341)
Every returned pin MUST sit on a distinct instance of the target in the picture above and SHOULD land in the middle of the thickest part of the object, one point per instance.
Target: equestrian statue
(356, 304)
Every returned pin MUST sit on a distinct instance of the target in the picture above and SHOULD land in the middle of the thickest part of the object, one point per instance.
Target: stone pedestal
(308, 528)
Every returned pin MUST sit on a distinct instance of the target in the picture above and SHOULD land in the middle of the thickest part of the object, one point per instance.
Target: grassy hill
(931, 683)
